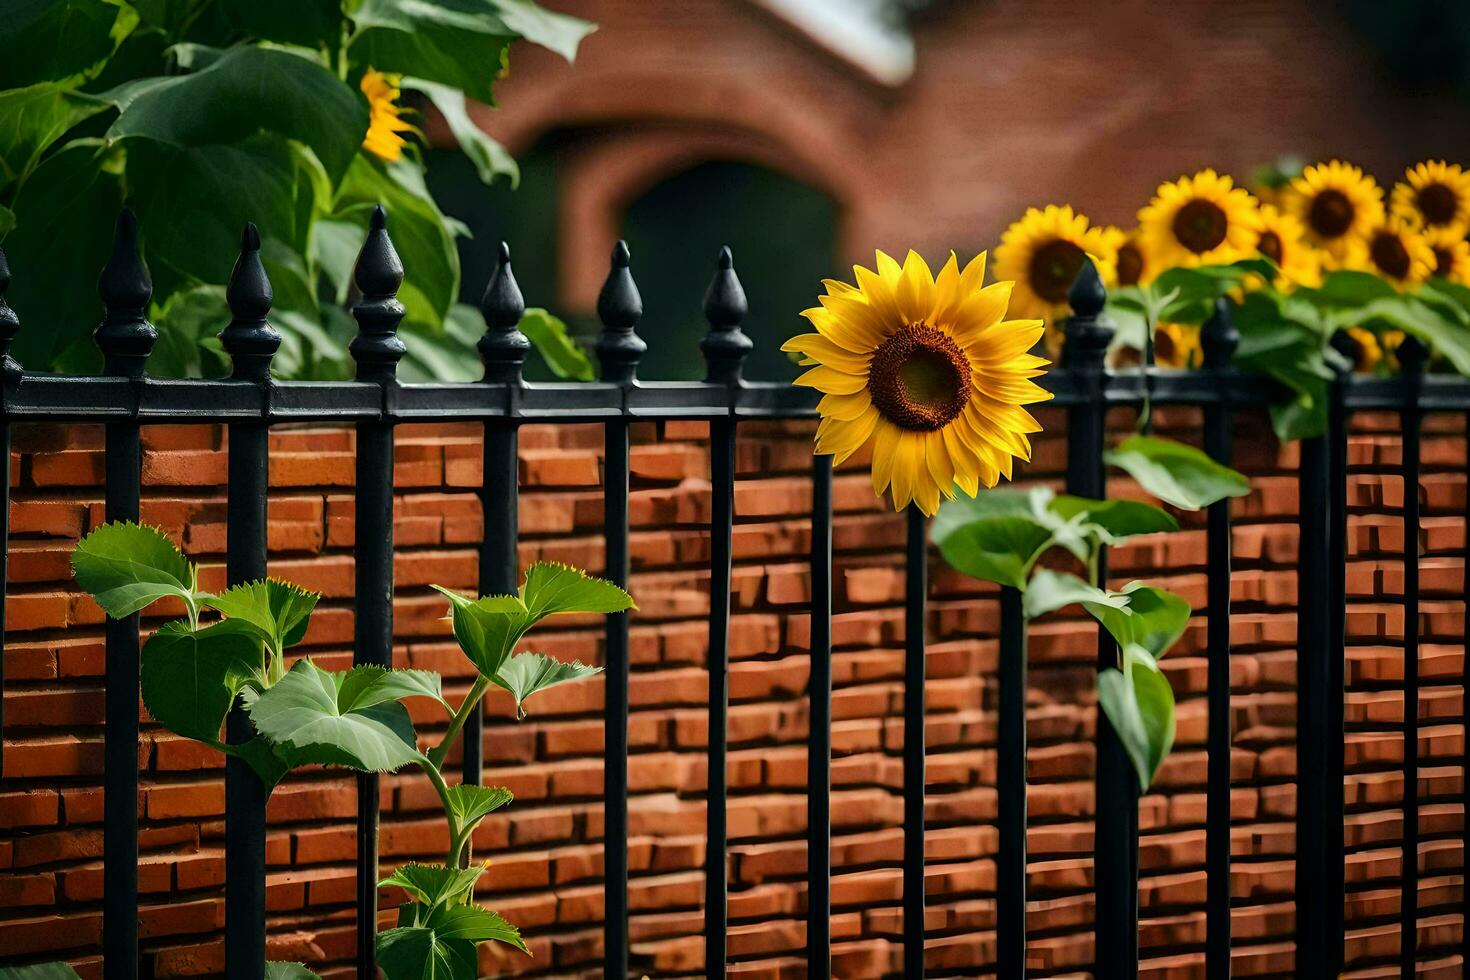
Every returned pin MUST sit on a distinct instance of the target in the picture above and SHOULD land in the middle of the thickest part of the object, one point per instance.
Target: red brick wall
(545, 847)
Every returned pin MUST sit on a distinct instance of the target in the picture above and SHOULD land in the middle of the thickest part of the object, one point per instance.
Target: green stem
(456, 832)
(472, 701)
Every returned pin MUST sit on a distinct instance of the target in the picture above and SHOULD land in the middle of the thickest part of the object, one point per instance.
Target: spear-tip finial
(378, 274)
(1219, 337)
(249, 338)
(619, 306)
(125, 336)
(503, 348)
(1087, 295)
(726, 345)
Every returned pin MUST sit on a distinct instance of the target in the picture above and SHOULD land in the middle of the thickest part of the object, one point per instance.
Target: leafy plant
(204, 114)
(1003, 535)
(193, 671)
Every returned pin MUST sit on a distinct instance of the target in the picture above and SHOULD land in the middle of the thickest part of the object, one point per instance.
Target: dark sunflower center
(1200, 226)
(1053, 268)
(1331, 214)
(919, 379)
(1437, 203)
(1130, 265)
(1389, 255)
(1444, 260)
(1270, 246)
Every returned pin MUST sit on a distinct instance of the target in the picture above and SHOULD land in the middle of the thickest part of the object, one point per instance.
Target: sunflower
(1132, 263)
(1042, 254)
(1395, 252)
(1451, 255)
(929, 371)
(1368, 353)
(385, 119)
(1436, 195)
(1337, 204)
(1177, 345)
(1283, 241)
(1199, 220)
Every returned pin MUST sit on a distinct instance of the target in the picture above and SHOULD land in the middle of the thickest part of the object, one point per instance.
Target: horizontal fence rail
(249, 402)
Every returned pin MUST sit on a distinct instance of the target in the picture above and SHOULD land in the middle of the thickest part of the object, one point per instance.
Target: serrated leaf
(189, 679)
(555, 345)
(40, 971)
(470, 803)
(1049, 591)
(416, 953)
(288, 971)
(1175, 473)
(526, 674)
(473, 924)
(276, 611)
(434, 884)
(551, 587)
(127, 567)
(336, 718)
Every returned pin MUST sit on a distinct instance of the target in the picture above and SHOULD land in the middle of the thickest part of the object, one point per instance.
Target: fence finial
(249, 338)
(1218, 337)
(1088, 330)
(125, 336)
(503, 348)
(1412, 354)
(618, 307)
(726, 345)
(378, 274)
(9, 322)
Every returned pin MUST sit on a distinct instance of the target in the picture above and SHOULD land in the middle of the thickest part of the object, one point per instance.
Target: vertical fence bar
(1010, 778)
(1465, 717)
(1219, 339)
(377, 350)
(125, 338)
(819, 732)
(503, 351)
(915, 591)
(724, 347)
(250, 341)
(1115, 846)
(9, 373)
(1412, 355)
(1321, 625)
(618, 350)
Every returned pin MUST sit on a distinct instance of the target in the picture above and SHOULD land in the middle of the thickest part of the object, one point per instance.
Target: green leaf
(558, 32)
(458, 43)
(247, 89)
(415, 953)
(62, 237)
(551, 587)
(40, 971)
(470, 803)
(487, 629)
(188, 324)
(1413, 316)
(127, 567)
(419, 230)
(996, 549)
(337, 718)
(1350, 288)
(434, 884)
(267, 759)
(1152, 619)
(473, 924)
(32, 118)
(528, 673)
(60, 40)
(1001, 502)
(288, 971)
(1049, 591)
(276, 611)
(1175, 473)
(555, 345)
(189, 679)
(1139, 704)
(1118, 520)
(491, 160)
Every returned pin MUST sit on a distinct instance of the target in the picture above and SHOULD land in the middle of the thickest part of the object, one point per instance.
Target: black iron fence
(124, 399)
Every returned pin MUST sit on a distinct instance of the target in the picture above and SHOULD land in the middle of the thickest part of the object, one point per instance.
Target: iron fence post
(10, 372)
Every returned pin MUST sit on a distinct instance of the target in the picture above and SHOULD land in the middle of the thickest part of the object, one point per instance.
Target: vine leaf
(1139, 703)
(288, 971)
(1150, 618)
(276, 611)
(434, 884)
(1049, 591)
(995, 549)
(337, 718)
(40, 971)
(127, 567)
(189, 679)
(470, 803)
(552, 587)
(1175, 473)
(526, 674)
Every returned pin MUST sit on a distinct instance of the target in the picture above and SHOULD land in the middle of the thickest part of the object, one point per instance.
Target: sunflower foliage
(1324, 273)
(229, 649)
(1039, 541)
(202, 115)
